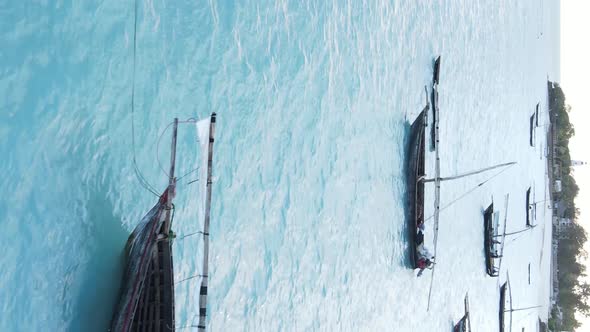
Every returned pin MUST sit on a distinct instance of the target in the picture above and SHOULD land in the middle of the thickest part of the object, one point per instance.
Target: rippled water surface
(313, 101)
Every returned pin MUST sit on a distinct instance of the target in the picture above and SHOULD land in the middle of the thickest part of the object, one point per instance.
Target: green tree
(574, 294)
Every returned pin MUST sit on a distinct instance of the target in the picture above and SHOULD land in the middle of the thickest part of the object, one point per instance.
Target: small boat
(419, 256)
(415, 168)
(503, 289)
(493, 240)
(147, 294)
(464, 324)
(528, 207)
(491, 226)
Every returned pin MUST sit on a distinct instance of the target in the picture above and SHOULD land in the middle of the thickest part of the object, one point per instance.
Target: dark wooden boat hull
(537, 116)
(528, 205)
(531, 130)
(415, 169)
(461, 326)
(146, 301)
(502, 306)
(488, 217)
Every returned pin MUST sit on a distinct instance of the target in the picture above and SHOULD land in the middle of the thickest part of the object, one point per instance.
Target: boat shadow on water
(102, 271)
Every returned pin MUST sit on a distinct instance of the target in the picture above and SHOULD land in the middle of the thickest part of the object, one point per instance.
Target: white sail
(203, 139)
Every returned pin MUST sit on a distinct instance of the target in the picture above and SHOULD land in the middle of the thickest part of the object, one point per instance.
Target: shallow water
(313, 101)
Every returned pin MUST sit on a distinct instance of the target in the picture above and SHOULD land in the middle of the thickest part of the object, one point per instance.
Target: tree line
(573, 293)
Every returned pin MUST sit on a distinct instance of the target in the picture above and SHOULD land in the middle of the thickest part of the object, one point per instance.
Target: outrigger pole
(504, 233)
(436, 188)
(205, 273)
(172, 179)
(522, 230)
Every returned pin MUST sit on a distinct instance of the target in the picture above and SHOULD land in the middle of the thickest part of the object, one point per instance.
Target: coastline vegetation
(574, 293)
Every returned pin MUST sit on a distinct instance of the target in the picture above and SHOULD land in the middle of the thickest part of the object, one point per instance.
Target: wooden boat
(464, 324)
(502, 311)
(147, 295)
(416, 176)
(491, 226)
(415, 169)
(528, 207)
(493, 240)
(416, 172)
(506, 290)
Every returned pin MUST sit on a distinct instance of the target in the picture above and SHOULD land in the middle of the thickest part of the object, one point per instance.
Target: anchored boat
(532, 130)
(491, 244)
(528, 207)
(419, 255)
(493, 240)
(415, 169)
(464, 324)
(416, 157)
(504, 289)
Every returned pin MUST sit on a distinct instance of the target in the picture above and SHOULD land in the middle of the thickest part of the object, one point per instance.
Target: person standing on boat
(424, 263)
(425, 258)
(495, 254)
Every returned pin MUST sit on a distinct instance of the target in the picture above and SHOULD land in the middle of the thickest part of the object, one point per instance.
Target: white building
(557, 186)
(565, 222)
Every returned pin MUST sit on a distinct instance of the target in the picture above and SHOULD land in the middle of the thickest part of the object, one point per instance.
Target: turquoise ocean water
(313, 100)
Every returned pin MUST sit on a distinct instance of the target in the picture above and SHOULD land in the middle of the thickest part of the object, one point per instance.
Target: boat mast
(171, 179)
(510, 295)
